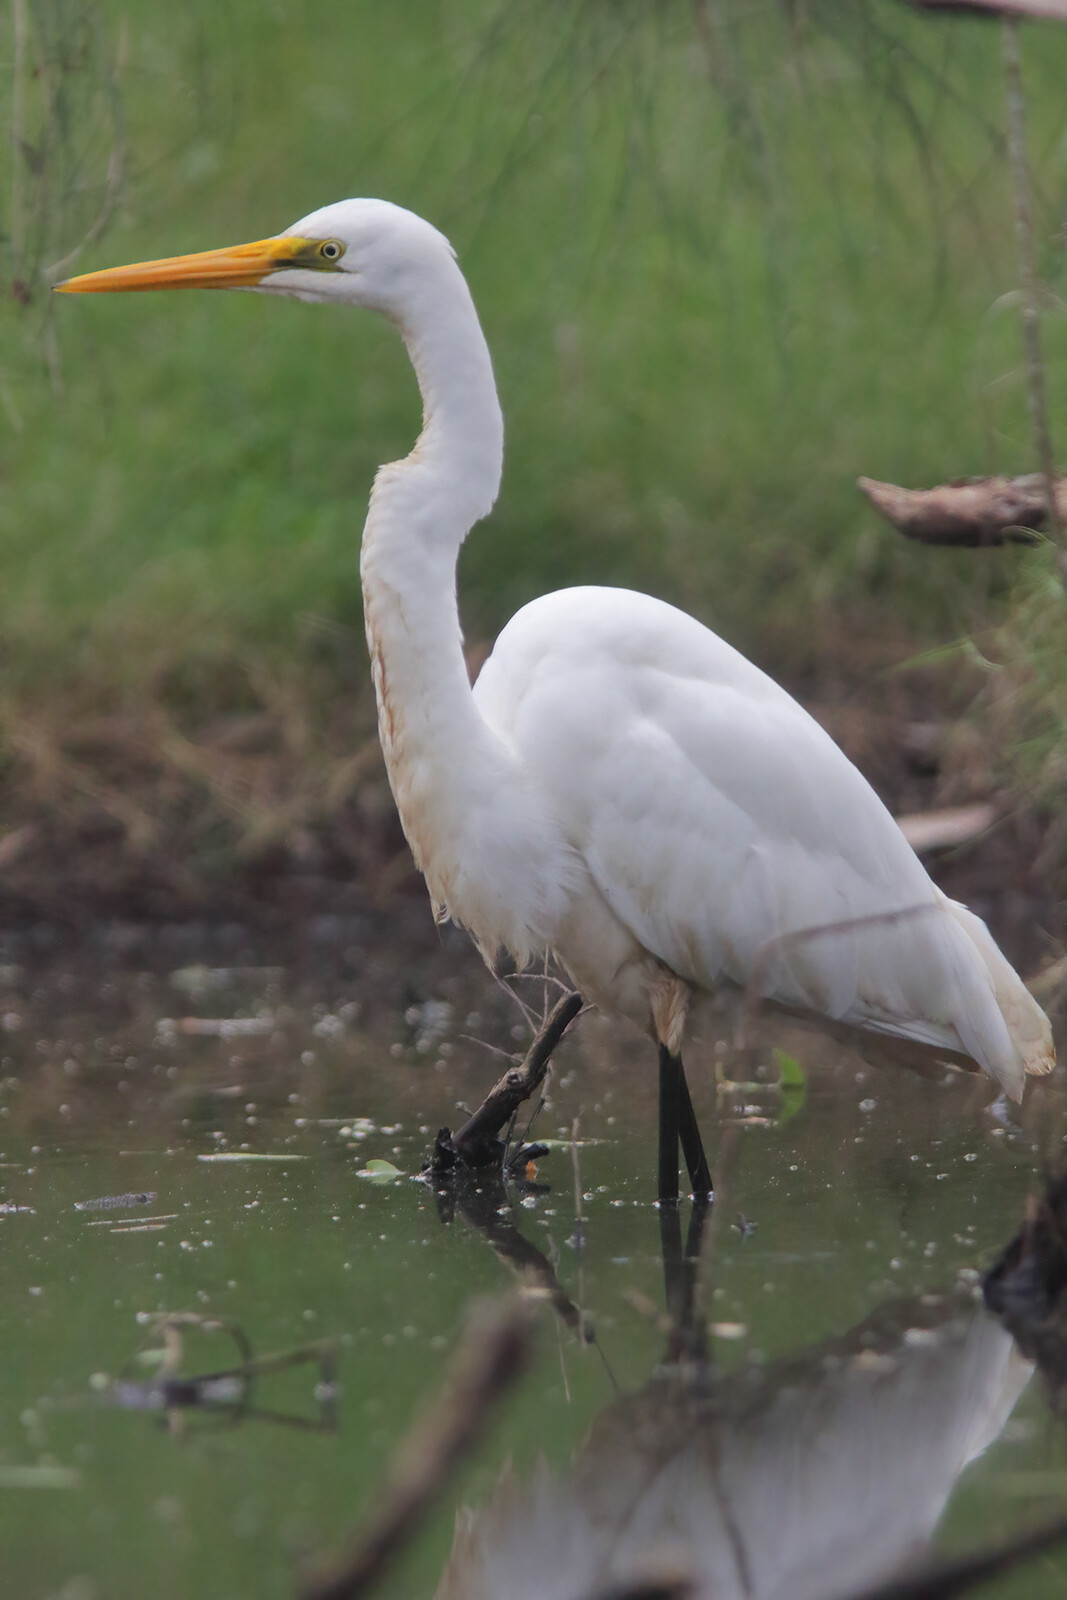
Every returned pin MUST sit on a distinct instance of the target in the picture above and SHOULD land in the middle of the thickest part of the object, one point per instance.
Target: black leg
(670, 1072)
(692, 1144)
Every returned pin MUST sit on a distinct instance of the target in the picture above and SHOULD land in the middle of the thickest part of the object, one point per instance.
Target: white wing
(720, 822)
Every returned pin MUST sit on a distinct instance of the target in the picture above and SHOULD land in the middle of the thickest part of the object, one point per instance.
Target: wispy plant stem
(18, 29)
(1024, 232)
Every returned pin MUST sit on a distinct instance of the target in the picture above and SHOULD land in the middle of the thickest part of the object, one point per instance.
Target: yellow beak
(240, 266)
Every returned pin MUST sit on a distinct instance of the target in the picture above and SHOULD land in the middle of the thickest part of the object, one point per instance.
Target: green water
(864, 1201)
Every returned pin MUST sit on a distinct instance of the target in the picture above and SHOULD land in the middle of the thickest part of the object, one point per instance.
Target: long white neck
(460, 791)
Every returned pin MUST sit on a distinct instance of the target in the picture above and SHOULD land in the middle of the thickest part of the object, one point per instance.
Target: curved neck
(441, 756)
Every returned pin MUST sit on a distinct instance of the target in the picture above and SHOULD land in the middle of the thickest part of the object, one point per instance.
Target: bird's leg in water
(670, 1069)
(692, 1145)
(677, 1120)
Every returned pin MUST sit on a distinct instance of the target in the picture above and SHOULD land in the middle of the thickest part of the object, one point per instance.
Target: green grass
(721, 276)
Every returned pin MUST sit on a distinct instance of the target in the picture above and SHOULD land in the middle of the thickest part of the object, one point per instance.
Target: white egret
(620, 787)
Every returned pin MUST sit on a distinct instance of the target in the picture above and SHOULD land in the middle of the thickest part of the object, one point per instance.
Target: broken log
(970, 512)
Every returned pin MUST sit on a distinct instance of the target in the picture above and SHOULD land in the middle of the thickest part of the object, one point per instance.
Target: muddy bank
(257, 842)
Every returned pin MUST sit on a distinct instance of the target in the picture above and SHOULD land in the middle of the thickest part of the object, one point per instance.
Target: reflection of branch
(227, 1392)
(494, 1353)
(483, 1204)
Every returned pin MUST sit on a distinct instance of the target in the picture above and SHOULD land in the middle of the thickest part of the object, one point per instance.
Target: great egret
(620, 787)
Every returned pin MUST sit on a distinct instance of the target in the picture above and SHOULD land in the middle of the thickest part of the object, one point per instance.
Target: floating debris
(142, 1222)
(380, 1172)
(116, 1202)
(198, 979)
(219, 1027)
(251, 1155)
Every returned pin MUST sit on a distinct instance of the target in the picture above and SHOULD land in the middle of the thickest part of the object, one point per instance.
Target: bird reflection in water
(811, 1477)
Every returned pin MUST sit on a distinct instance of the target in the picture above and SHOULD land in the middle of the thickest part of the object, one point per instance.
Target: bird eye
(331, 250)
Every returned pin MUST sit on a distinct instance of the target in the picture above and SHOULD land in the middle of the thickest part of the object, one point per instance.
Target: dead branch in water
(493, 1355)
(477, 1144)
(971, 512)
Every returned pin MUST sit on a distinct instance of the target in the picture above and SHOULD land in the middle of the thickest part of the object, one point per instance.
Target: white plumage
(621, 787)
(713, 816)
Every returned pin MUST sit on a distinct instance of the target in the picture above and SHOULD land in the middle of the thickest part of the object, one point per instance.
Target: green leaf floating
(379, 1172)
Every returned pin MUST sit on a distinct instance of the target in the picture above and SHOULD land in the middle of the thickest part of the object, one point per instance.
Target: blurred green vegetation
(728, 257)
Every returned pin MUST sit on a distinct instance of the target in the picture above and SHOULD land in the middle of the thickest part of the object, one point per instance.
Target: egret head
(363, 252)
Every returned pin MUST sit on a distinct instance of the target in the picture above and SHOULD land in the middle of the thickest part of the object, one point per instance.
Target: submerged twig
(493, 1355)
(477, 1144)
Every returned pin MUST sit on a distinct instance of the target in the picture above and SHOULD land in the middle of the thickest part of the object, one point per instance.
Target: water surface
(858, 1403)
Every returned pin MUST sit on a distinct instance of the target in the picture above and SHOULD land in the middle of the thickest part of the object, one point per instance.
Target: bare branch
(476, 1143)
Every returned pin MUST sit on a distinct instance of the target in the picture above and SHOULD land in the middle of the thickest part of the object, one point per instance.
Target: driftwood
(1042, 10)
(494, 1354)
(971, 511)
(476, 1144)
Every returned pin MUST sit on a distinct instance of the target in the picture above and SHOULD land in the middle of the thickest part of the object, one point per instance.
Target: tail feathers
(1030, 1051)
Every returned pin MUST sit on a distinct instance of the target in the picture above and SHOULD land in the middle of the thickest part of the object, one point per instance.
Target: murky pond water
(859, 1400)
